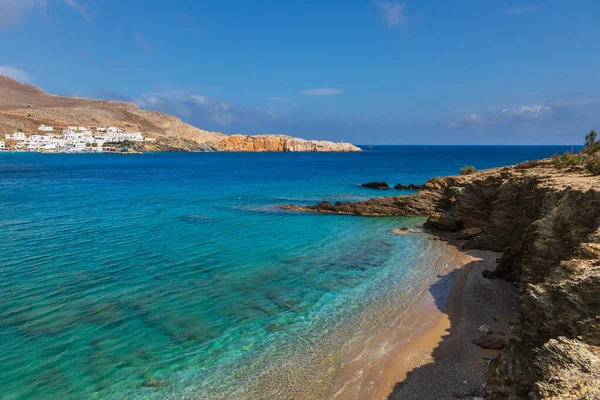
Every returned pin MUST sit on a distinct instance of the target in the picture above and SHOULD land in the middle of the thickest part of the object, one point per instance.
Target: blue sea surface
(166, 275)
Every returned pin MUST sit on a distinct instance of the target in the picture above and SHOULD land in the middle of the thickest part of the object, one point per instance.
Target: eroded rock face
(567, 369)
(547, 224)
(410, 186)
(279, 143)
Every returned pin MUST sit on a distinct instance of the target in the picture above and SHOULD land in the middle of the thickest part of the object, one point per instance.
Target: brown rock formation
(547, 224)
(278, 143)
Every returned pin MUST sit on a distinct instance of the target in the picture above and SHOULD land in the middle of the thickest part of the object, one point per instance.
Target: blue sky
(365, 71)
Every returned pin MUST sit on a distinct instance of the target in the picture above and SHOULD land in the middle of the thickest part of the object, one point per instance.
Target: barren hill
(25, 107)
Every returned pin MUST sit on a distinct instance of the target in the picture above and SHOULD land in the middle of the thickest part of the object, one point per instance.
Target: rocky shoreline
(546, 223)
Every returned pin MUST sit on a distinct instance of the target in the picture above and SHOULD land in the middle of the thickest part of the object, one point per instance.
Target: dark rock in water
(410, 186)
(376, 185)
(155, 383)
(338, 203)
(467, 233)
(489, 342)
(369, 147)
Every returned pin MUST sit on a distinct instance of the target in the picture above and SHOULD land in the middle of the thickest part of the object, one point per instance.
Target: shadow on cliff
(451, 374)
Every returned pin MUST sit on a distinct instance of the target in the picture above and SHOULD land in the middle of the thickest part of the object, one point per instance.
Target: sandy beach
(443, 363)
(428, 353)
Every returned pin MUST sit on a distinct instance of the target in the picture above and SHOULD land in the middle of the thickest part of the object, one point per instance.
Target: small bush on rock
(592, 164)
(567, 159)
(589, 156)
(467, 170)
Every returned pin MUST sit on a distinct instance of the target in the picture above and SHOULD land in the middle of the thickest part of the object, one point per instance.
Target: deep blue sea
(122, 273)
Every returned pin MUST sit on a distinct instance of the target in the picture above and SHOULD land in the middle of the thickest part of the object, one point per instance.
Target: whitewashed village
(74, 139)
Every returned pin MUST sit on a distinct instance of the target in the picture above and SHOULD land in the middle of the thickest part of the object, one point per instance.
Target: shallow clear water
(181, 267)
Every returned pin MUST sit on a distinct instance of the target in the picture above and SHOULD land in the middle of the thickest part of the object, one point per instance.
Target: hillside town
(74, 139)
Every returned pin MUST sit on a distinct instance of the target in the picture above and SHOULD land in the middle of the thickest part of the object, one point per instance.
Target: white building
(124, 136)
(114, 129)
(15, 136)
(100, 129)
(39, 138)
(45, 128)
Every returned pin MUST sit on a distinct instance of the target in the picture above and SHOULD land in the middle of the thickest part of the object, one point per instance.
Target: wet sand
(454, 367)
(428, 354)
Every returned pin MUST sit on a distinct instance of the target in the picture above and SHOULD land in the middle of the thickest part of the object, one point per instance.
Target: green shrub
(567, 159)
(468, 170)
(592, 164)
(591, 145)
(593, 167)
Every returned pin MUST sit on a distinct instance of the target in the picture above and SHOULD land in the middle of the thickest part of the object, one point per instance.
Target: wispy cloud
(12, 12)
(521, 9)
(16, 74)
(505, 116)
(76, 4)
(322, 92)
(392, 12)
(200, 110)
(143, 42)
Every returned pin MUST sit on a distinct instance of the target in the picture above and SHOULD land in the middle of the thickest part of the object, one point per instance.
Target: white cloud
(505, 116)
(392, 12)
(199, 100)
(322, 92)
(521, 9)
(13, 11)
(200, 110)
(81, 8)
(15, 73)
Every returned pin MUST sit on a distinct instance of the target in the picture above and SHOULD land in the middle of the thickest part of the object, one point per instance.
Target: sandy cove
(546, 223)
(431, 342)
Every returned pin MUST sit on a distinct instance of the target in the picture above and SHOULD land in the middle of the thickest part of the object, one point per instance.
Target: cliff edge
(546, 222)
(279, 143)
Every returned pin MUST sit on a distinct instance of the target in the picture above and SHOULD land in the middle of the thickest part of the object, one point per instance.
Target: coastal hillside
(24, 108)
(546, 222)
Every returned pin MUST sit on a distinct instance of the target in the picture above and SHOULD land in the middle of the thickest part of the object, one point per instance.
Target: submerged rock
(155, 383)
(399, 231)
(376, 185)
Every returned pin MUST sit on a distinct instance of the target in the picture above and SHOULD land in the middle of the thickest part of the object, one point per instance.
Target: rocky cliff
(547, 224)
(25, 107)
(278, 143)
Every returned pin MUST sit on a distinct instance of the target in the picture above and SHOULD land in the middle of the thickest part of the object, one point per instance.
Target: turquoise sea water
(119, 273)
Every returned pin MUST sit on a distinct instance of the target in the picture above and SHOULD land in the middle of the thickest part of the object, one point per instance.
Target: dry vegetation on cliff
(546, 222)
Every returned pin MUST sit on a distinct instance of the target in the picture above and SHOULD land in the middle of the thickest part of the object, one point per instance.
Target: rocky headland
(279, 143)
(24, 108)
(546, 224)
